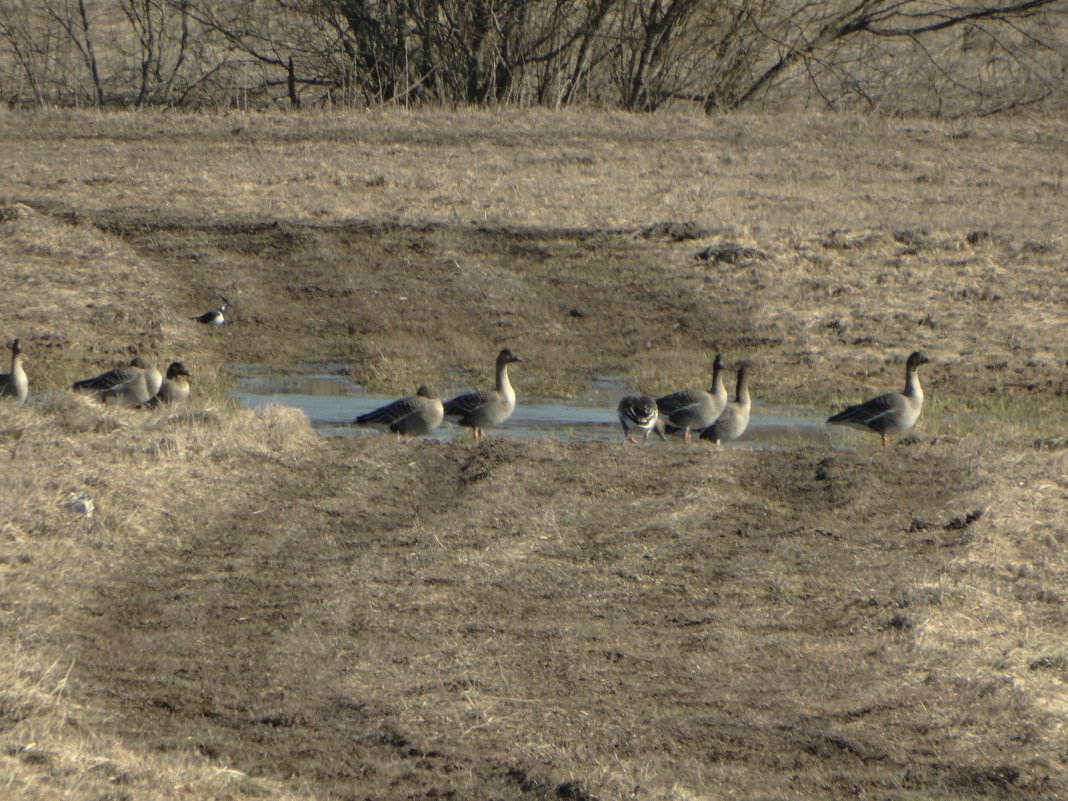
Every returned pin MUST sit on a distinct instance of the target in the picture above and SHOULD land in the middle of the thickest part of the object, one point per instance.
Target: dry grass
(881, 236)
(144, 474)
(746, 175)
(254, 611)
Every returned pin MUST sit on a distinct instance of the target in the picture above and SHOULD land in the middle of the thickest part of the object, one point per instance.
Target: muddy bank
(821, 315)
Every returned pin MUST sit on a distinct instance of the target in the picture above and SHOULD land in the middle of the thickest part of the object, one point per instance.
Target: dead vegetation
(251, 610)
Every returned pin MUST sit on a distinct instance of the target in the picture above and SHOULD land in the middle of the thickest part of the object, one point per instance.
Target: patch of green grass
(995, 416)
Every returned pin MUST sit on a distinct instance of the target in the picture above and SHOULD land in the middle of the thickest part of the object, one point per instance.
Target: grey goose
(130, 393)
(15, 384)
(734, 420)
(120, 375)
(489, 407)
(174, 389)
(892, 412)
(693, 409)
(415, 415)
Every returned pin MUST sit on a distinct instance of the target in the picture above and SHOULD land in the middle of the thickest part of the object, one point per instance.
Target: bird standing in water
(735, 418)
(489, 407)
(691, 410)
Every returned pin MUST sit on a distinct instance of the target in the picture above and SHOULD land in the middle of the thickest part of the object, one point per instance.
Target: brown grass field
(255, 611)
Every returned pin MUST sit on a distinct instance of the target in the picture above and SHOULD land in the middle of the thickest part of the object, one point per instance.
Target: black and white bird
(415, 415)
(488, 407)
(734, 420)
(891, 413)
(691, 410)
(215, 316)
(640, 412)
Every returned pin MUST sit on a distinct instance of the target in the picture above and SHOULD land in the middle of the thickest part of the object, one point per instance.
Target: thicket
(892, 56)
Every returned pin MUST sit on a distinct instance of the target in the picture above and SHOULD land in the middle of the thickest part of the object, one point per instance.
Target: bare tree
(656, 27)
(813, 29)
(74, 19)
(901, 56)
(163, 35)
(27, 48)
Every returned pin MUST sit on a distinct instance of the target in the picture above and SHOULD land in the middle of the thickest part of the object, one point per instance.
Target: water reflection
(332, 402)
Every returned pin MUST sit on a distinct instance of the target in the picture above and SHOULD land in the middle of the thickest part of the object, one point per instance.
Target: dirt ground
(254, 610)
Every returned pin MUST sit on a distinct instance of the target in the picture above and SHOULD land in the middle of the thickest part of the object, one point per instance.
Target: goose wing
(133, 392)
(678, 401)
(871, 413)
(464, 405)
(108, 380)
(391, 412)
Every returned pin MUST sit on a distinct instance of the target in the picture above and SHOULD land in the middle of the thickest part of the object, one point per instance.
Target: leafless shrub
(897, 57)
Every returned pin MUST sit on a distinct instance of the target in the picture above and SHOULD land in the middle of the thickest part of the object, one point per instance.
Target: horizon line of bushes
(893, 56)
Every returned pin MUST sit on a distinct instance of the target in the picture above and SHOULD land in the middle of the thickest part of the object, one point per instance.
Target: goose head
(915, 360)
(507, 357)
(176, 369)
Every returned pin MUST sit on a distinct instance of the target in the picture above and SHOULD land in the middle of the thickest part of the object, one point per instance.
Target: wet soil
(402, 305)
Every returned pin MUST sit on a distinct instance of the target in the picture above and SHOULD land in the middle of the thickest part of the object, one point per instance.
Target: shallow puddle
(332, 402)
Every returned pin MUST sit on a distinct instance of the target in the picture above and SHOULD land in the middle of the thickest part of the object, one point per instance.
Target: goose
(693, 409)
(174, 389)
(732, 423)
(120, 375)
(414, 415)
(640, 412)
(485, 408)
(891, 413)
(215, 316)
(130, 393)
(15, 384)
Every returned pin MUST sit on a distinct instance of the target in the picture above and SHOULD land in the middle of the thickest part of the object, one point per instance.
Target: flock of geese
(708, 414)
(138, 384)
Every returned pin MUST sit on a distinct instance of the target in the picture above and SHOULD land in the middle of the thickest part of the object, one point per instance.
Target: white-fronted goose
(892, 413)
(131, 393)
(693, 409)
(735, 418)
(640, 412)
(175, 387)
(215, 316)
(486, 408)
(414, 415)
(120, 375)
(15, 384)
